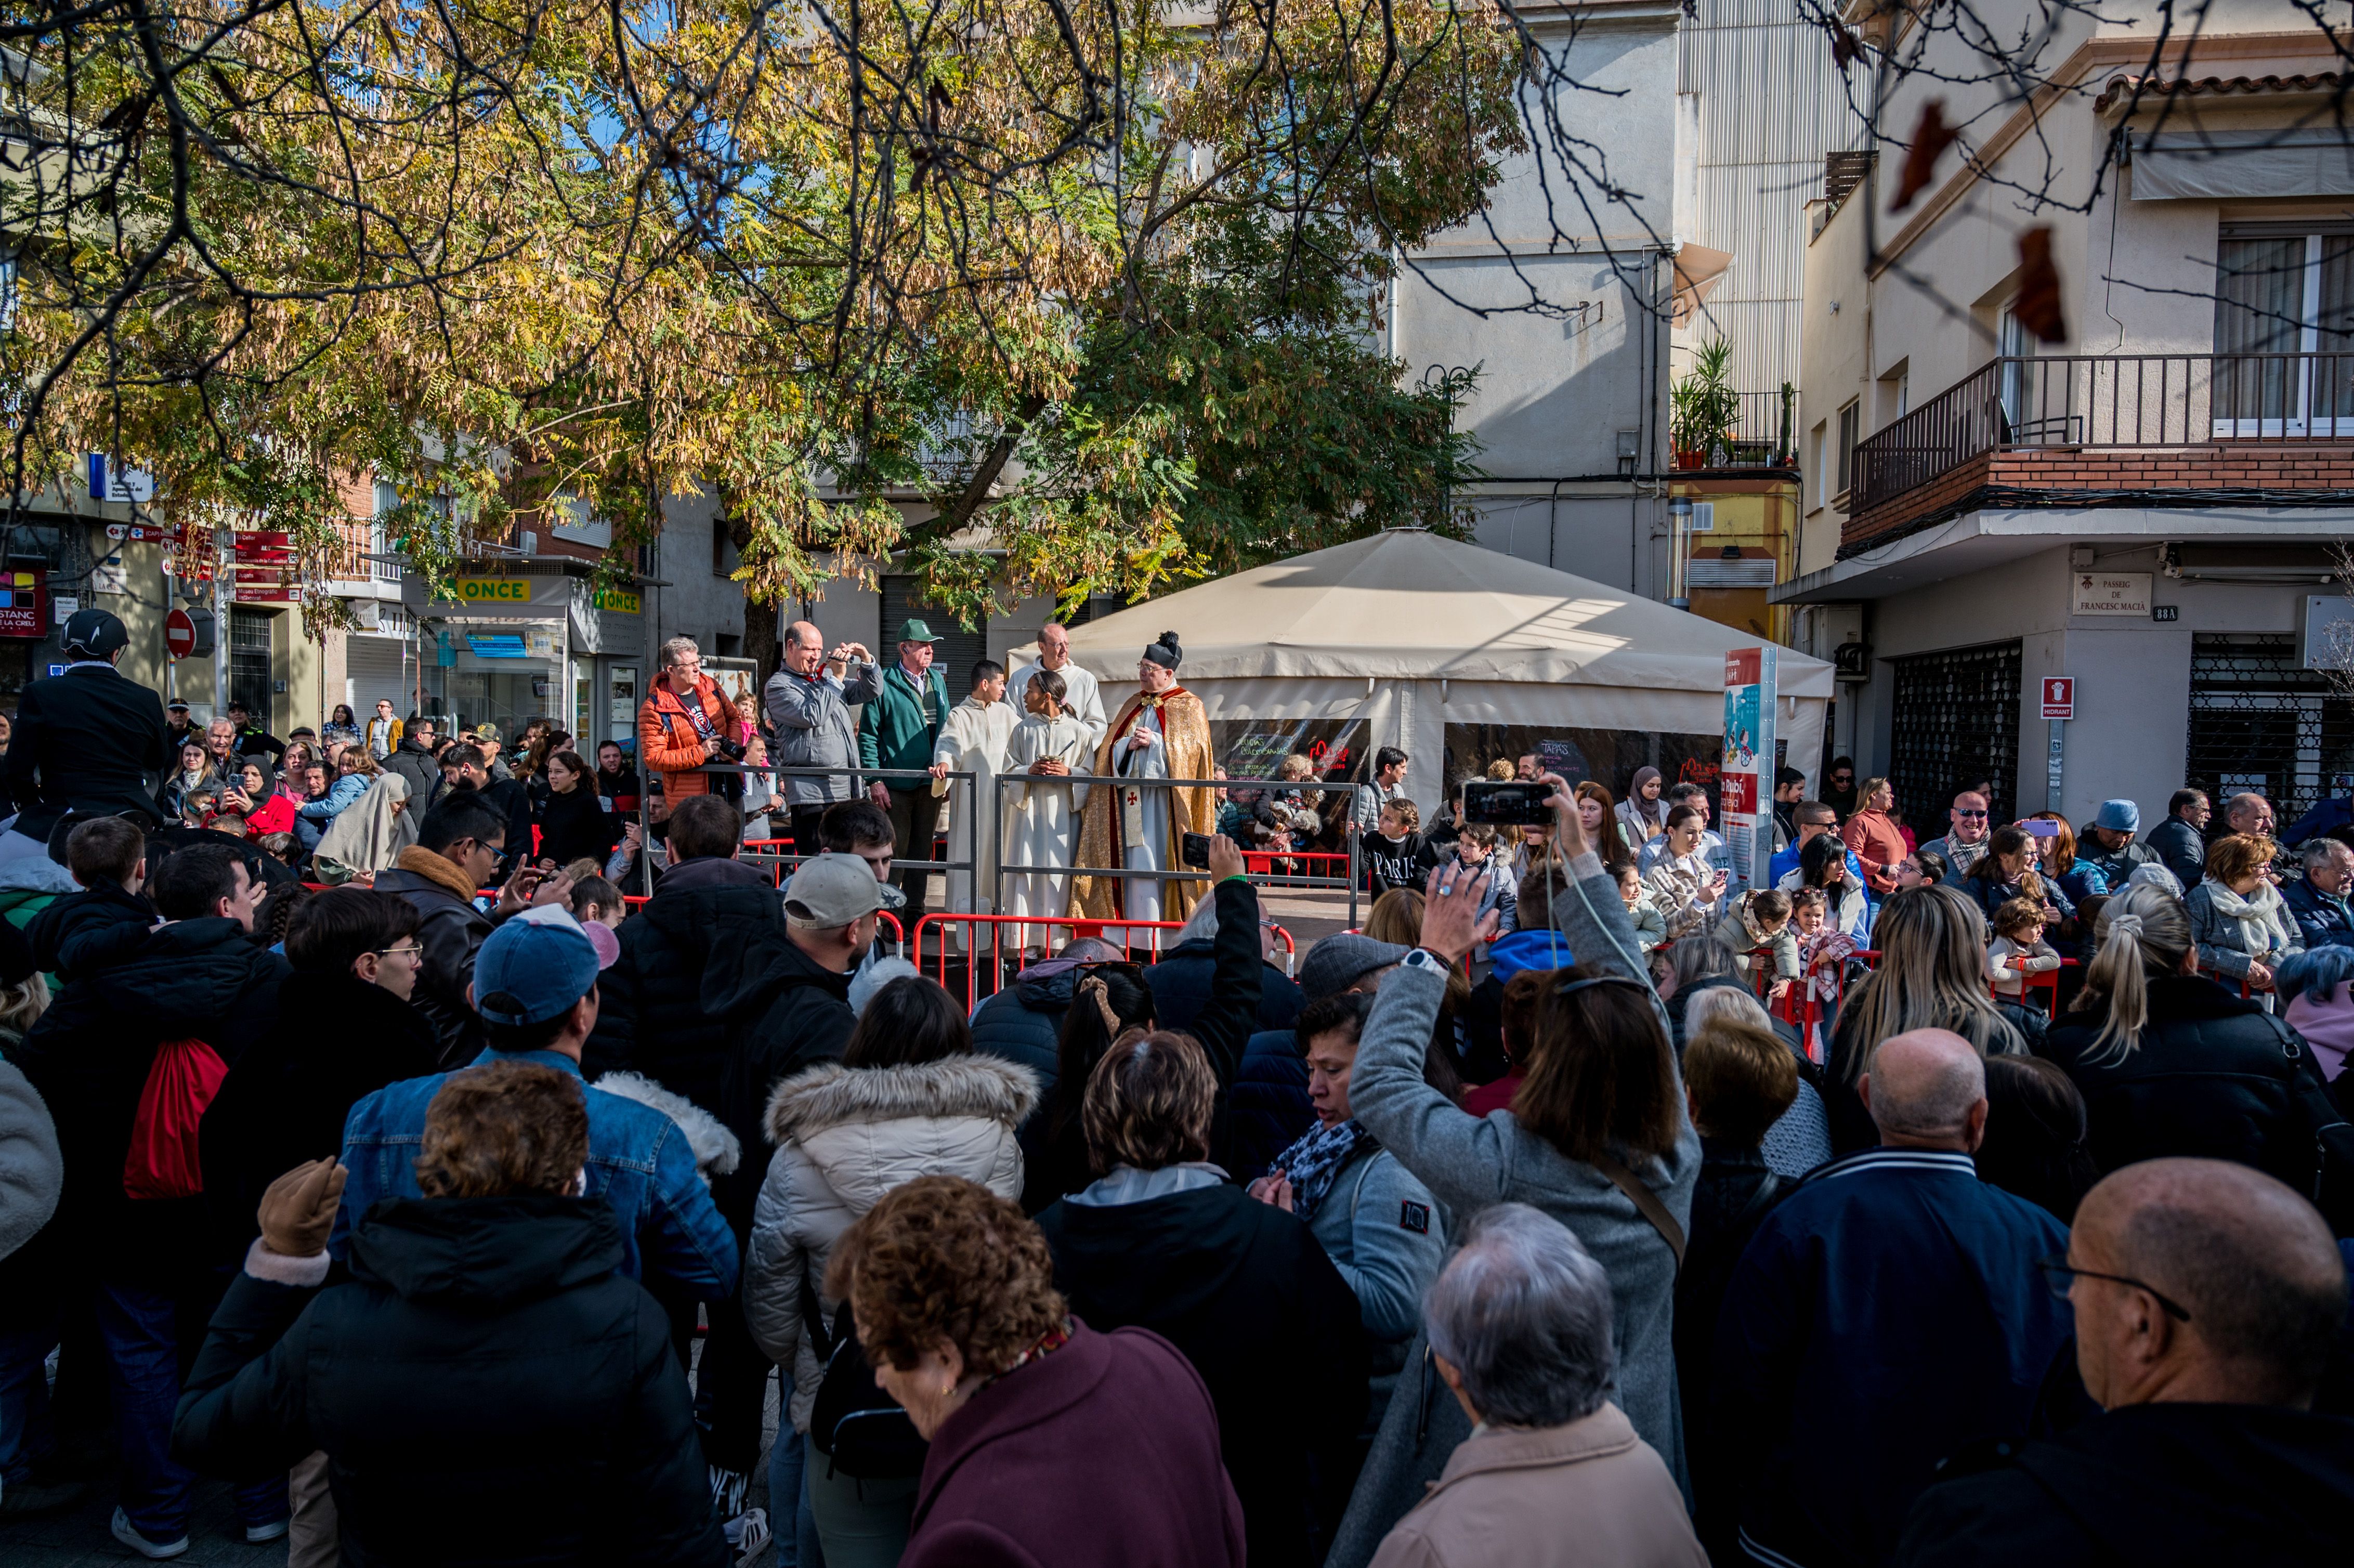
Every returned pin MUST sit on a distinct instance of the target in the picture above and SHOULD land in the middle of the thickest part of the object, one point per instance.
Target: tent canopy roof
(1408, 605)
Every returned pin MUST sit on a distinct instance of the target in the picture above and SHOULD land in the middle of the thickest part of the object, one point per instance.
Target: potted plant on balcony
(1703, 406)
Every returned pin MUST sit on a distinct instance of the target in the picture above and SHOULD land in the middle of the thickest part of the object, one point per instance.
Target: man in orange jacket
(682, 724)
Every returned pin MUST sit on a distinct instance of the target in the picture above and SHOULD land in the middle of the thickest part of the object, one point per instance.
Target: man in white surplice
(973, 740)
(1082, 699)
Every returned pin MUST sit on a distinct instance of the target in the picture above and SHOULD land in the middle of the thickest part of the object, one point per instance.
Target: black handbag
(864, 1431)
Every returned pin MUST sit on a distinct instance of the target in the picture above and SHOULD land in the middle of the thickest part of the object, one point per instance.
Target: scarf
(2259, 930)
(1315, 1162)
(435, 868)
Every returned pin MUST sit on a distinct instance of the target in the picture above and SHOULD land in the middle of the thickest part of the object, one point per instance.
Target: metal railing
(1765, 434)
(2122, 401)
(1289, 878)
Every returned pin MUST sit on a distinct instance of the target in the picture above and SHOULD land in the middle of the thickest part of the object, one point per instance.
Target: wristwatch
(1423, 959)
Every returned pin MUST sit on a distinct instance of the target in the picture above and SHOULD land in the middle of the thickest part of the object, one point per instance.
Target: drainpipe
(1680, 512)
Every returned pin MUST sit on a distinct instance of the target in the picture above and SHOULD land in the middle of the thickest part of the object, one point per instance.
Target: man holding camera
(684, 723)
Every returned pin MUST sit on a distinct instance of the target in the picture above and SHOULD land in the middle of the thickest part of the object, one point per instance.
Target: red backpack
(180, 1082)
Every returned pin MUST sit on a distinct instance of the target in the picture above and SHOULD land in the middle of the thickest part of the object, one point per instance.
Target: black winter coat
(783, 1012)
(2157, 1486)
(1024, 1023)
(451, 930)
(651, 1017)
(90, 741)
(1244, 1291)
(1270, 1103)
(89, 1055)
(85, 932)
(2213, 1076)
(415, 764)
(486, 1388)
(574, 826)
(336, 1039)
(1732, 1198)
(1223, 1029)
(1181, 989)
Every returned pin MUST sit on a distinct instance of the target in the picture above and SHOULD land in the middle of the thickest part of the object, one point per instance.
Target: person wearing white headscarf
(369, 834)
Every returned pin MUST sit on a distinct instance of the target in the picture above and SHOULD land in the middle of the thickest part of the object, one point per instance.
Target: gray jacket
(815, 728)
(1385, 1233)
(1470, 1162)
(32, 1172)
(2224, 942)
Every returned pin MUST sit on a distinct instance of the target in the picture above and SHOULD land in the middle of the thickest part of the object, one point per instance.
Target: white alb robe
(973, 741)
(1082, 698)
(1042, 823)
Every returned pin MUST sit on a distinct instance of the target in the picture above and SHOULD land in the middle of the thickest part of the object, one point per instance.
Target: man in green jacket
(897, 729)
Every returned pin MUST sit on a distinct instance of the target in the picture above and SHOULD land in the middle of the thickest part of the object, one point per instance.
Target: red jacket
(1875, 841)
(668, 740)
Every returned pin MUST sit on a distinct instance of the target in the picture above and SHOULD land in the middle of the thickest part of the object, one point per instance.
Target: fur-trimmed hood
(969, 1085)
(717, 1150)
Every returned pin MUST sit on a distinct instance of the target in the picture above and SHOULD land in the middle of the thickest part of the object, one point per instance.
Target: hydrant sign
(2058, 697)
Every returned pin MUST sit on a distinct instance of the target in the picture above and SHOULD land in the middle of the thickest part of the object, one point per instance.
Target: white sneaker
(747, 1533)
(261, 1534)
(156, 1551)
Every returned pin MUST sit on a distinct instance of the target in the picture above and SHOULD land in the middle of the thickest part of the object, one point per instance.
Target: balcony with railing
(1761, 433)
(360, 564)
(2112, 429)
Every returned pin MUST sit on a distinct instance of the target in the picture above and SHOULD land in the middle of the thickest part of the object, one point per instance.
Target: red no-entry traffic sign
(179, 635)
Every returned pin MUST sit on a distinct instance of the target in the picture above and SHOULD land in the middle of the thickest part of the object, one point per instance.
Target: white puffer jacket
(845, 1137)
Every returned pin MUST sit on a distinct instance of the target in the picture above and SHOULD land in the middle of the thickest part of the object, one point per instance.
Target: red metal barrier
(993, 954)
(1279, 868)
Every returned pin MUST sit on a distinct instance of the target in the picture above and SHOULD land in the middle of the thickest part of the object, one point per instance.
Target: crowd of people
(455, 1210)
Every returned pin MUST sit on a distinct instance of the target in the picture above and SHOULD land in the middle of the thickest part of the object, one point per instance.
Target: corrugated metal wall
(1771, 105)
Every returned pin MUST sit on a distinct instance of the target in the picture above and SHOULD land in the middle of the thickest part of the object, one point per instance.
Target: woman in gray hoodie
(1600, 1141)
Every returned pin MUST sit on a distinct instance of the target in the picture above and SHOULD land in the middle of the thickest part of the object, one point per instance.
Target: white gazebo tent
(1411, 633)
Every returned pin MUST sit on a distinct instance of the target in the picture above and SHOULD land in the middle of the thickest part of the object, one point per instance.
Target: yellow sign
(622, 601)
(495, 590)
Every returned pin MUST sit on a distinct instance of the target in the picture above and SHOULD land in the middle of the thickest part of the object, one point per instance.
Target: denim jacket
(639, 1161)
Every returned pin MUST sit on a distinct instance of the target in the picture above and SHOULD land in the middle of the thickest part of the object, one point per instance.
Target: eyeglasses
(401, 951)
(2060, 1276)
(1959, 813)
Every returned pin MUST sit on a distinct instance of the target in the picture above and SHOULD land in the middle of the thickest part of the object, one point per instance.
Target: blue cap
(2119, 817)
(527, 971)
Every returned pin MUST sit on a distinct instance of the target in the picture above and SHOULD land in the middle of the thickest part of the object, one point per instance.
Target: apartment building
(2147, 507)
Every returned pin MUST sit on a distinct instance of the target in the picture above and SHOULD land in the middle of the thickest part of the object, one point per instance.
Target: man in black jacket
(413, 759)
(344, 1029)
(252, 739)
(2207, 1299)
(88, 741)
(460, 845)
(2180, 840)
(653, 1020)
(780, 992)
(109, 918)
(487, 1388)
(465, 766)
(131, 1215)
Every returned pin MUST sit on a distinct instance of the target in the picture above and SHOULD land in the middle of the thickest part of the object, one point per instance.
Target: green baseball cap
(914, 630)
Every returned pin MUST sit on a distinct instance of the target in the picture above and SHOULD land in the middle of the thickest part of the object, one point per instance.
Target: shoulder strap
(1647, 1201)
(1768, 1193)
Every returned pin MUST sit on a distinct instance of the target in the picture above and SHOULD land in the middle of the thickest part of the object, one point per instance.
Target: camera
(1507, 802)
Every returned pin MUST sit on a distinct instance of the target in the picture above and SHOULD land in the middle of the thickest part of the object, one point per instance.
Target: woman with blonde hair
(1931, 975)
(2242, 928)
(2172, 1063)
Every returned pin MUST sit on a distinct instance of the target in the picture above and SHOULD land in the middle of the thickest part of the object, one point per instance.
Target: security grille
(1955, 725)
(2259, 722)
(249, 661)
(956, 652)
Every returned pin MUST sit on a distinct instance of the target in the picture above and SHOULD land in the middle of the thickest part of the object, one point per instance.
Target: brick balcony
(2252, 429)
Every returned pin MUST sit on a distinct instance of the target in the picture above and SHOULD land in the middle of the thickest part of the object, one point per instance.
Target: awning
(1699, 270)
(2234, 166)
